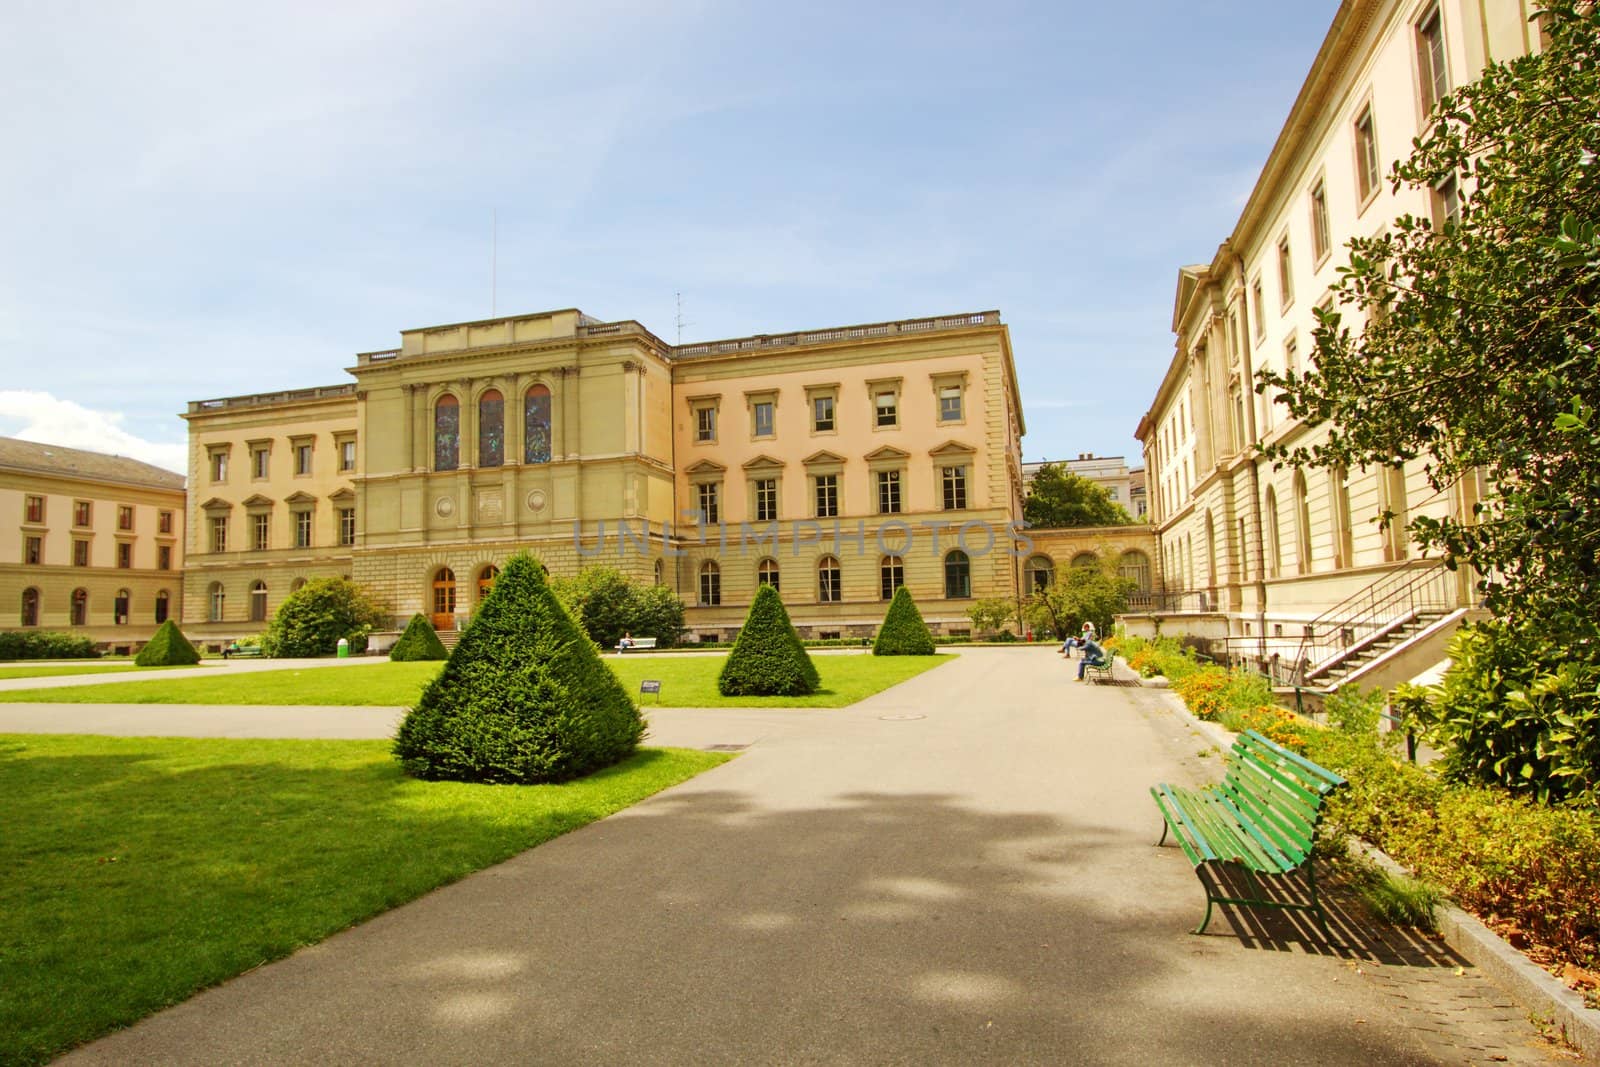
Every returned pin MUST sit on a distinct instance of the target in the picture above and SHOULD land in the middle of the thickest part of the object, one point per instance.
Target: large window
(950, 409)
(1343, 532)
(1302, 524)
(80, 607)
(957, 575)
(891, 576)
(82, 513)
(762, 422)
(1431, 71)
(219, 465)
(33, 550)
(954, 481)
(260, 464)
(1321, 241)
(80, 553)
(1366, 132)
(536, 425)
(486, 579)
(33, 509)
(258, 602)
(829, 588)
(124, 555)
(347, 455)
(347, 526)
(822, 415)
(710, 585)
(163, 606)
(30, 607)
(164, 522)
(491, 429)
(1446, 203)
(888, 492)
(444, 594)
(302, 529)
(767, 573)
(216, 602)
(163, 557)
(303, 451)
(1285, 273)
(446, 434)
(1274, 540)
(124, 517)
(260, 532)
(827, 496)
(705, 423)
(1039, 573)
(706, 499)
(886, 408)
(766, 492)
(1135, 566)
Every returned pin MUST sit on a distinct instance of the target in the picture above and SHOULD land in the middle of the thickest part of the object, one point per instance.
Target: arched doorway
(444, 599)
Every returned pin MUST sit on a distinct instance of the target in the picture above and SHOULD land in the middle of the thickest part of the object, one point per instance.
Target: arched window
(163, 605)
(891, 576)
(486, 579)
(1244, 554)
(1302, 524)
(258, 601)
(661, 571)
(1086, 559)
(1039, 573)
(1211, 551)
(957, 575)
(119, 611)
(1343, 533)
(1274, 543)
(710, 585)
(446, 434)
(536, 425)
(829, 589)
(80, 607)
(444, 591)
(767, 573)
(296, 585)
(30, 607)
(216, 602)
(1135, 566)
(491, 429)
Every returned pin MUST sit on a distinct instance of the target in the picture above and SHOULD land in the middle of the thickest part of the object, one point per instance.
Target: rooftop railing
(760, 342)
(287, 396)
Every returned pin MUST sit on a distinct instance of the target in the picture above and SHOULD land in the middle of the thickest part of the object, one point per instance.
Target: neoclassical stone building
(836, 464)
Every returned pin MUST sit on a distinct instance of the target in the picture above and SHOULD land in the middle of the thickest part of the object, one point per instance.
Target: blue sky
(204, 200)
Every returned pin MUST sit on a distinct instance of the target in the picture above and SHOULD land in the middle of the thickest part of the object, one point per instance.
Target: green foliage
(1480, 357)
(1513, 712)
(1494, 853)
(314, 617)
(419, 642)
(1354, 710)
(767, 658)
(608, 604)
(1059, 498)
(44, 644)
(1079, 595)
(1399, 900)
(167, 648)
(903, 632)
(1164, 656)
(991, 614)
(523, 698)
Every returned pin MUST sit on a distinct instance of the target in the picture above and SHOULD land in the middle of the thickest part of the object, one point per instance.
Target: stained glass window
(446, 434)
(491, 429)
(536, 425)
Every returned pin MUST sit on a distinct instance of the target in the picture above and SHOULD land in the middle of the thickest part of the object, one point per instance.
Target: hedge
(419, 642)
(767, 658)
(44, 644)
(524, 697)
(903, 632)
(168, 648)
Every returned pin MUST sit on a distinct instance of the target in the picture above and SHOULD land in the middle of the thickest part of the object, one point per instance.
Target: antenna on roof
(681, 323)
(494, 256)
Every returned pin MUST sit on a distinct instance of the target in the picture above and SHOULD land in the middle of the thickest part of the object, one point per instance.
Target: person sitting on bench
(1093, 656)
(626, 642)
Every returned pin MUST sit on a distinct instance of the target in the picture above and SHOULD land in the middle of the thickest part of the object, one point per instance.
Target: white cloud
(46, 419)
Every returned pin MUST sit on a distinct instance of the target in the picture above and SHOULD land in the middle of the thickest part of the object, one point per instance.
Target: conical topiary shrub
(903, 632)
(768, 658)
(168, 648)
(419, 642)
(524, 697)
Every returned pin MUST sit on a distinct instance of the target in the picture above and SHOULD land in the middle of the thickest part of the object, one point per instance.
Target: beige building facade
(836, 464)
(1266, 559)
(91, 544)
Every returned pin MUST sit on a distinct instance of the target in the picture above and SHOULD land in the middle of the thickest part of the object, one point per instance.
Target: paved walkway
(112, 674)
(958, 870)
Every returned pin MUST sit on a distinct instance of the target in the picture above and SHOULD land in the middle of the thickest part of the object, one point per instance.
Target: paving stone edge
(1529, 984)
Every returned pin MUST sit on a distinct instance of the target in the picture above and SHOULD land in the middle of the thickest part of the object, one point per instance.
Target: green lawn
(138, 871)
(54, 670)
(686, 681)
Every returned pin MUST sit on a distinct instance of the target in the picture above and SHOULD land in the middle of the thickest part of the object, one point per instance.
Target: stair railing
(1387, 603)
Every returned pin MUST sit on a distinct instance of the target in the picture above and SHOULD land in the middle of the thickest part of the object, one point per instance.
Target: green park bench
(1105, 670)
(1261, 818)
(245, 651)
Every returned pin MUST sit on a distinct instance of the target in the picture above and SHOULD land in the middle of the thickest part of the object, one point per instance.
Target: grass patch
(139, 871)
(686, 681)
(58, 669)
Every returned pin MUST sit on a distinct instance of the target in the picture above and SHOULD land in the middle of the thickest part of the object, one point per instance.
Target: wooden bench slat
(1287, 852)
(1231, 840)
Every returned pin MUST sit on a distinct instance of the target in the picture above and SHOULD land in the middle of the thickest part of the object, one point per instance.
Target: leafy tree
(419, 642)
(1059, 497)
(991, 614)
(608, 604)
(314, 617)
(524, 697)
(1078, 595)
(167, 648)
(767, 657)
(903, 632)
(1479, 359)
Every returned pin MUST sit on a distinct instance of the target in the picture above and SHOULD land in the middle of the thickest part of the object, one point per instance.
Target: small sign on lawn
(650, 685)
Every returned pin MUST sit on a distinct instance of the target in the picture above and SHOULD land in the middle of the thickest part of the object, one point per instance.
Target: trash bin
(344, 648)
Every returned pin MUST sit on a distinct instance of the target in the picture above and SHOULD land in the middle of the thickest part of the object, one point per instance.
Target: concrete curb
(1525, 981)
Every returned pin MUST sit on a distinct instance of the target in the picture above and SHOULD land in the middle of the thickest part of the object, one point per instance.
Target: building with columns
(1287, 565)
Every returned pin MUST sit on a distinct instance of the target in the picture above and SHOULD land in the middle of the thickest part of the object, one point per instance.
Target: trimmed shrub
(524, 697)
(168, 648)
(314, 617)
(768, 658)
(903, 632)
(44, 644)
(419, 642)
